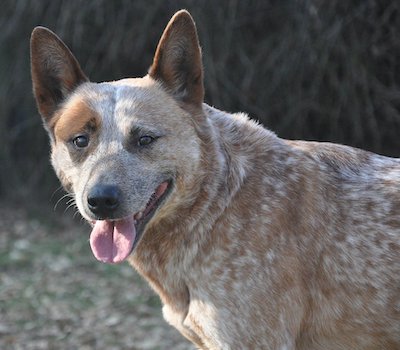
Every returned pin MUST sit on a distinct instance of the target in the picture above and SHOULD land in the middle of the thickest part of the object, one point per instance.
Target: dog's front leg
(220, 329)
(177, 320)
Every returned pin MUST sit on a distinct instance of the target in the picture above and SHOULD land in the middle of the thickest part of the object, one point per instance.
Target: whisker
(76, 213)
(70, 205)
(72, 200)
(59, 188)
(61, 199)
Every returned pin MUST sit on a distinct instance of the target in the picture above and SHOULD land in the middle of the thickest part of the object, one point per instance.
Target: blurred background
(326, 70)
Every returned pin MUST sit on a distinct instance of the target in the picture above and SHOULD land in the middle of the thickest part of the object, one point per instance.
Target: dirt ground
(55, 295)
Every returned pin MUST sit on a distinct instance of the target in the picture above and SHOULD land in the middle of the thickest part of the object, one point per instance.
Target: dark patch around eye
(140, 138)
(84, 141)
(145, 140)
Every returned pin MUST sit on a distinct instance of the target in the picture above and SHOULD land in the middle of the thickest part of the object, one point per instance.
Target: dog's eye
(81, 141)
(145, 140)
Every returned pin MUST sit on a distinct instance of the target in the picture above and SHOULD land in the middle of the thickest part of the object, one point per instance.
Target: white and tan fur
(262, 243)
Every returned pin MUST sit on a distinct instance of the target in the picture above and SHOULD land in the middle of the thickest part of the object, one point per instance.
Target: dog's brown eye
(145, 140)
(81, 141)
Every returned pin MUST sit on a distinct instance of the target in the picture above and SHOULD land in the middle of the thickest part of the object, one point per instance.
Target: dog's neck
(177, 239)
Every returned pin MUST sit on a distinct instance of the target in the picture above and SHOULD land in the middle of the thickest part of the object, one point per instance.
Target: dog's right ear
(55, 71)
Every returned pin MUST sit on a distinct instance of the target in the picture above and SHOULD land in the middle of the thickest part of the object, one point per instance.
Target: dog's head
(122, 147)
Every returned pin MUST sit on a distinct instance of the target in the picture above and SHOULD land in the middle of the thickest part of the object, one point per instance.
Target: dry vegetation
(313, 69)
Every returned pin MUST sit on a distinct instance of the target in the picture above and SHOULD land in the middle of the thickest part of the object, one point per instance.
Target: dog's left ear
(177, 62)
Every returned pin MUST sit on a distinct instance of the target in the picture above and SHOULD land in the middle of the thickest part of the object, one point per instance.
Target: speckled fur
(263, 243)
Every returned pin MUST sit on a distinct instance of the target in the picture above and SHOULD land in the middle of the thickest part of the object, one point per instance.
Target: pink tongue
(112, 241)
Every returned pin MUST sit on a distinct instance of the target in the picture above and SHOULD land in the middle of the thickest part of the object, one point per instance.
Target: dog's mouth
(112, 241)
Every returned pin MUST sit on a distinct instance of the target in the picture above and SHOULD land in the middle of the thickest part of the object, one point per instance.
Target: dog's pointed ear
(55, 71)
(177, 62)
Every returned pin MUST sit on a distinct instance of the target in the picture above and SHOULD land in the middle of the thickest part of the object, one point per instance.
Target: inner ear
(177, 62)
(55, 71)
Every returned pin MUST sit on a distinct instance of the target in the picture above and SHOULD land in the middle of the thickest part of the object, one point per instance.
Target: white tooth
(139, 215)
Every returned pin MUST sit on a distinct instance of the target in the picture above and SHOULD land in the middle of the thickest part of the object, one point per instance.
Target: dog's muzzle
(104, 200)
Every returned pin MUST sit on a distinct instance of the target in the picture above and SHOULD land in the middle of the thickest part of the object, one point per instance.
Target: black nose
(103, 200)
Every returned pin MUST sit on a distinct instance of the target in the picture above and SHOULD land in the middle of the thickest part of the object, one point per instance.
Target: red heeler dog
(251, 241)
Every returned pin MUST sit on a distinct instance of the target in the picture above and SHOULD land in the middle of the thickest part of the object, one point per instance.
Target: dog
(251, 241)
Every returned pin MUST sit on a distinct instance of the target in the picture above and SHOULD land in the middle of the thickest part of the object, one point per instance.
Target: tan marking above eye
(76, 117)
